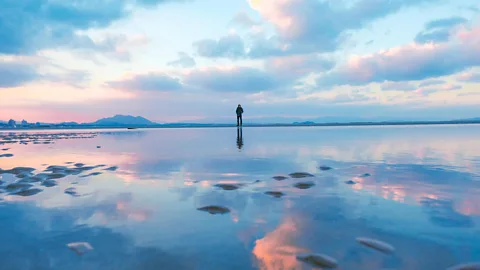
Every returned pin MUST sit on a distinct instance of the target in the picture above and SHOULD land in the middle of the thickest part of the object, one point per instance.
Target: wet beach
(252, 198)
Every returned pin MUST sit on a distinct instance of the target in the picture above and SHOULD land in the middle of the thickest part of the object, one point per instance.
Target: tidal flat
(404, 197)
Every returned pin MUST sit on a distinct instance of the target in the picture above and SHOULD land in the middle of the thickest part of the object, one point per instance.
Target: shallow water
(414, 188)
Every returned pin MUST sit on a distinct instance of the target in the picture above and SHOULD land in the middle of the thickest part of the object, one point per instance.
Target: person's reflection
(239, 138)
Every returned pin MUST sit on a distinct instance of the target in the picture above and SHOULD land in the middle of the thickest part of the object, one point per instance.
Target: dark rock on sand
(6, 155)
(78, 165)
(301, 175)
(18, 170)
(304, 185)
(365, 175)
(24, 174)
(113, 168)
(228, 186)
(56, 175)
(17, 187)
(318, 260)
(27, 192)
(71, 191)
(325, 168)
(98, 146)
(376, 244)
(86, 168)
(276, 194)
(213, 209)
(350, 182)
(91, 174)
(31, 179)
(49, 183)
(5, 149)
(279, 177)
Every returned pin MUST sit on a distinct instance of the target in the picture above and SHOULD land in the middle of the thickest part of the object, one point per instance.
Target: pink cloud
(410, 62)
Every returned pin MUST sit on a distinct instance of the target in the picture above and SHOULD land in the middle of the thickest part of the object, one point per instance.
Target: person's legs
(238, 118)
(241, 121)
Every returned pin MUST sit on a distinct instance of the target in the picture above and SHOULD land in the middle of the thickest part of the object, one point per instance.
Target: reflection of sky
(422, 196)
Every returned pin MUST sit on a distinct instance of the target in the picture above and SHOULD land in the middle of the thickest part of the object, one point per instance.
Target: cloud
(236, 79)
(244, 20)
(442, 88)
(431, 82)
(230, 46)
(410, 62)
(469, 77)
(32, 25)
(148, 82)
(399, 86)
(17, 71)
(302, 27)
(14, 74)
(298, 65)
(446, 22)
(184, 60)
(439, 30)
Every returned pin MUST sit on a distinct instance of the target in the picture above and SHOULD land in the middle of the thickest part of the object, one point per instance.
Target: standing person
(239, 112)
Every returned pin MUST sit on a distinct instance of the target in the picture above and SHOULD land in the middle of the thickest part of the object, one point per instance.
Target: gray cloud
(230, 46)
(431, 82)
(148, 82)
(238, 79)
(446, 22)
(439, 30)
(315, 26)
(244, 20)
(18, 73)
(410, 62)
(469, 78)
(14, 74)
(184, 60)
(30, 25)
(399, 86)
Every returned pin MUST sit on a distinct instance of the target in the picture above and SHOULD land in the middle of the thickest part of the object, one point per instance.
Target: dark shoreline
(353, 124)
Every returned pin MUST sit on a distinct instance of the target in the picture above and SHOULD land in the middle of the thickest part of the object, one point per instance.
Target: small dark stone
(228, 186)
(213, 209)
(91, 174)
(49, 183)
(301, 175)
(304, 185)
(27, 192)
(113, 168)
(365, 175)
(71, 191)
(350, 182)
(325, 168)
(276, 194)
(56, 175)
(279, 177)
(6, 155)
(98, 146)
(18, 186)
(78, 165)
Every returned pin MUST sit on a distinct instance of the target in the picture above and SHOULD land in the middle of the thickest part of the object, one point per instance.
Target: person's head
(239, 105)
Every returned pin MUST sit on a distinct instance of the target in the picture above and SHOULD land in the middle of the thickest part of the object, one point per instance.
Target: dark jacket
(239, 110)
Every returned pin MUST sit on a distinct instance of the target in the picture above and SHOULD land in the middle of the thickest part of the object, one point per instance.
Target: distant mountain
(123, 120)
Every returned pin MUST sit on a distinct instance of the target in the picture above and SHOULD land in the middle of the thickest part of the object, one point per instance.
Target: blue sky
(195, 60)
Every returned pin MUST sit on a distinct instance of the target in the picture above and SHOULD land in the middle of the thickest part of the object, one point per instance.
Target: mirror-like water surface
(136, 197)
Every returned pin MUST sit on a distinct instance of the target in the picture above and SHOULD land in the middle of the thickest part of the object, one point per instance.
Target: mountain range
(123, 120)
(138, 121)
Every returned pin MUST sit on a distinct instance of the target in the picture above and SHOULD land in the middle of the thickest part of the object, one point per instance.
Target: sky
(283, 60)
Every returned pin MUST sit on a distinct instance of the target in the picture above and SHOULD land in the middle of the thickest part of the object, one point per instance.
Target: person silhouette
(239, 138)
(239, 112)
